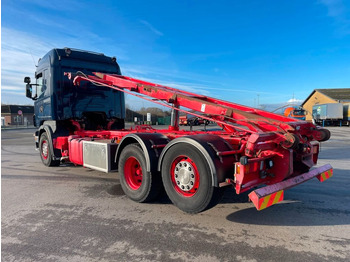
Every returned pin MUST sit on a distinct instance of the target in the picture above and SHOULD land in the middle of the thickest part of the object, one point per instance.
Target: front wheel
(187, 179)
(138, 184)
(46, 152)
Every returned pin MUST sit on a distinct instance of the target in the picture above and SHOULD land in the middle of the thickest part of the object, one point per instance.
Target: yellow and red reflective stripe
(270, 200)
(325, 175)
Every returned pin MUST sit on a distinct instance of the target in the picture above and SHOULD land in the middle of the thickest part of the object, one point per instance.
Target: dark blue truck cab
(57, 99)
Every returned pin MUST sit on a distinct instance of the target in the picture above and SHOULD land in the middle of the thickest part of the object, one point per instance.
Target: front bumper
(272, 194)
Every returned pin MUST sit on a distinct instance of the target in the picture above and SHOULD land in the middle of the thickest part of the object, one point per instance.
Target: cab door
(42, 107)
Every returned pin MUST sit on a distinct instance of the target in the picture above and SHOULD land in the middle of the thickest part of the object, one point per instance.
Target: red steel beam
(256, 120)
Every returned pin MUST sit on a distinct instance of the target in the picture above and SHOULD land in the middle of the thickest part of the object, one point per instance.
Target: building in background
(17, 115)
(326, 96)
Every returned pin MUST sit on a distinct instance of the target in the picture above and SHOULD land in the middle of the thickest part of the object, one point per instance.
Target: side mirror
(29, 90)
(27, 80)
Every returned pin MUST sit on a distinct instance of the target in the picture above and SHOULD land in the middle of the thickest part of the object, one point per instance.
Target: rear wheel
(46, 152)
(138, 184)
(187, 179)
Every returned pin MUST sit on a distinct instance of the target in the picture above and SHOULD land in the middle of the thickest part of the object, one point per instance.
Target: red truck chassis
(252, 149)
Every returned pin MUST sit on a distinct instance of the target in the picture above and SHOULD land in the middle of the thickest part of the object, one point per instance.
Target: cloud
(195, 83)
(63, 4)
(14, 40)
(189, 87)
(139, 71)
(335, 7)
(197, 88)
(198, 84)
(13, 88)
(167, 78)
(17, 53)
(339, 12)
(59, 29)
(151, 27)
(295, 101)
(21, 51)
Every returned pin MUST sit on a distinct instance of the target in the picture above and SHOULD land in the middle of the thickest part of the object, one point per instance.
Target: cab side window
(42, 84)
(39, 82)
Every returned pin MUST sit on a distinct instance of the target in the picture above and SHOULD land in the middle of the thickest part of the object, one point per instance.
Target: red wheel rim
(44, 149)
(133, 173)
(184, 176)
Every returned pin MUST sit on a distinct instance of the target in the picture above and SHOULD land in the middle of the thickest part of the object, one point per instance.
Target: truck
(79, 114)
(295, 112)
(192, 121)
(328, 114)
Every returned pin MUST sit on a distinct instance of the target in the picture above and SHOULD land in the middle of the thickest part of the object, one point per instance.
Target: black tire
(201, 196)
(46, 151)
(325, 134)
(144, 188)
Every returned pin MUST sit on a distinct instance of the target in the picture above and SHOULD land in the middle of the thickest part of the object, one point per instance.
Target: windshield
(299, 112)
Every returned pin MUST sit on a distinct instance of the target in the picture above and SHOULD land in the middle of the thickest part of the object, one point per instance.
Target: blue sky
(232, 50)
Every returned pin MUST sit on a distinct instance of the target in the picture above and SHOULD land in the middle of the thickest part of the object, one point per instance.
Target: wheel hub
(184, 175)
(133, 173)
(44, 149)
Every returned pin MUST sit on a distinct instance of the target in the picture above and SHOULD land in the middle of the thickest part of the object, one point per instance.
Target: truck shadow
(291, 214)
(311, 204)
(115, 190)
(333, 153)
(230, 197)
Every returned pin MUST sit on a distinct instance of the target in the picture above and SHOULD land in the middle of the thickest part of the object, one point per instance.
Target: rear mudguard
(209, 146)
(151, 144)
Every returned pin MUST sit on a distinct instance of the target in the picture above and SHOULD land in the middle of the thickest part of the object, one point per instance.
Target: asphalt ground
(71, 213)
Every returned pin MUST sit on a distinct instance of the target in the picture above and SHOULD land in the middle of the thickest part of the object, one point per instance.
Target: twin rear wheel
(185, 173)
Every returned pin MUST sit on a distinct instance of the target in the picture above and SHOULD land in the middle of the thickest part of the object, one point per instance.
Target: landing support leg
(174, 124)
